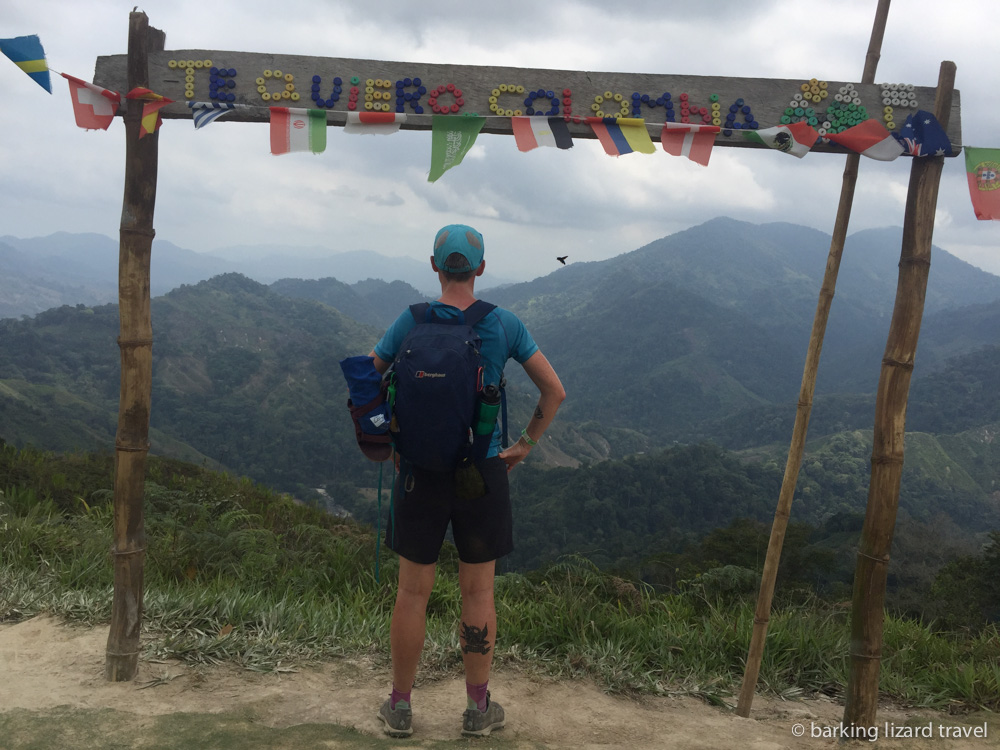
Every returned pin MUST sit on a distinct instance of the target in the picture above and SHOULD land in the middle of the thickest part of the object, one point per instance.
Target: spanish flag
(151, 119)
(28, 55)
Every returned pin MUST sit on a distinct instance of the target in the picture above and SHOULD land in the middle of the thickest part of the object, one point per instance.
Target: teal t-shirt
(503, 335)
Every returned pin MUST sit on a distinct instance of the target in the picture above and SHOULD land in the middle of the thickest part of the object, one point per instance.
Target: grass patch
(236, 573)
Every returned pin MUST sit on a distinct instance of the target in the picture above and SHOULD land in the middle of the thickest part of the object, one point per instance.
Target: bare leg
(478, 627)
(409, 621)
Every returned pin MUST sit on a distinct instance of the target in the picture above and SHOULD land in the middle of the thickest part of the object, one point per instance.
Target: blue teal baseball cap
(462, 239)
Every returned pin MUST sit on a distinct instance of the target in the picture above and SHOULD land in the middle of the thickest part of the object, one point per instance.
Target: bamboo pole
(762, 613)
(867, 609)
(136, 345)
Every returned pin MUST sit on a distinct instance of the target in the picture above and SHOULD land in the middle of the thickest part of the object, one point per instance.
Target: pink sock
(396, 696)
(477, 694)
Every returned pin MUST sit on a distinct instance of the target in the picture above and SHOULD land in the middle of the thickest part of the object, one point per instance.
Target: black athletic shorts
(483, 528)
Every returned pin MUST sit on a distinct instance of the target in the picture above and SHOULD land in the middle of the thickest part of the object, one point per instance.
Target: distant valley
(673, 355)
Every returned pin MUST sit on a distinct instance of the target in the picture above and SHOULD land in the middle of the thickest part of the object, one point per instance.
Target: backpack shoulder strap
(477, 311)
(421, 312)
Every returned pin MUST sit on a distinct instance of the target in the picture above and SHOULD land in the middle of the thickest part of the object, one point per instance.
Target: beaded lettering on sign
(611, 104)
(274, 86)
(502, 97)
(896, 95)
(190, 68)
(409, 92)
(377, 95)
(828, 107)
(328, 102)
(739, 117)
(442, 95)
(541, 102)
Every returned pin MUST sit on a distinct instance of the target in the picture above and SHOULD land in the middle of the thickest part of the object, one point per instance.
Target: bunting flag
(983, 168)
(297, 130)
(869, 138)
(622, 135)
(922, 135)
(451, 139)
(532, 132)
(693, 141)
(374, 123)
(205, 113)
(93, 106)
(26, 52)
(151, 120)
(796, 139)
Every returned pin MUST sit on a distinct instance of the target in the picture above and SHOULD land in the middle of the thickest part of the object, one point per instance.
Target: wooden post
(867, 610)
(762, 614)
(136, 344)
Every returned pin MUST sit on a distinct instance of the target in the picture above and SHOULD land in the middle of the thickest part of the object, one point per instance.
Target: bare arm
(551, 395)
(380, 364)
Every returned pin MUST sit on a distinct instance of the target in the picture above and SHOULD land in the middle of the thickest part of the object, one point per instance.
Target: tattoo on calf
(475, 639)
(538, 412)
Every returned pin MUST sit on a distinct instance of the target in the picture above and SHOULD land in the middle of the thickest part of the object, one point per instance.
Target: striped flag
(622, 135)
(205, 113)
(94, 107)
(295, 129)
(869, 138)
(374, 123)
(693, 141)
(532, 132)
(26, 52)
(151, 120)
(796, 139)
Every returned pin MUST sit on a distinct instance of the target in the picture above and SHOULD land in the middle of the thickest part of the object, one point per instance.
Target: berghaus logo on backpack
(437, 376)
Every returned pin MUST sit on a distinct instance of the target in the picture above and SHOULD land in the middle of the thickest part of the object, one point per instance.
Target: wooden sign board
(259, 81)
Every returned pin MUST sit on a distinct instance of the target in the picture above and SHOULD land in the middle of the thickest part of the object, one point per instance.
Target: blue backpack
(434, 389)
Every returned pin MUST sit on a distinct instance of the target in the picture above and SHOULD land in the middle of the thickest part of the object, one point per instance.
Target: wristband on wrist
(527, 438)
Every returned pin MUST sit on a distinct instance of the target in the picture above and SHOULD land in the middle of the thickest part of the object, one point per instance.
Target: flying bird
(562, 259)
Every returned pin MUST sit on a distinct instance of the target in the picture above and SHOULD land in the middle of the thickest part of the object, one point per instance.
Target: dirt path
(53, 695)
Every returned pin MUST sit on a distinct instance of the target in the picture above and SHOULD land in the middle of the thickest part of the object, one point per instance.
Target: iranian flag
(297, 130)
(871, 139)
(93, 106)
(795, 139)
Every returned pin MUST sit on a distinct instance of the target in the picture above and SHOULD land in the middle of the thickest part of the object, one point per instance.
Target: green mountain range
(696, 338)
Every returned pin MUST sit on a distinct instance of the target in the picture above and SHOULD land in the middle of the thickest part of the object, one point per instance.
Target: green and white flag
(795, 139)
(451, 138)
(297, 130)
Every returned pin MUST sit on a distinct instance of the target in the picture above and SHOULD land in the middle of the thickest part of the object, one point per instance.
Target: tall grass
(237, 574)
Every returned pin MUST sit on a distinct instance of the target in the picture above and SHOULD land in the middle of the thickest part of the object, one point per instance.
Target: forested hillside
(671, 355)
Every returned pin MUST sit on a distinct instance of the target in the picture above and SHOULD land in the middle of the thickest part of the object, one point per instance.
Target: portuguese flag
(983, 168)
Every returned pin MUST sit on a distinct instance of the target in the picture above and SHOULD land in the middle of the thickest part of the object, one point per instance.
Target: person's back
(427, 501)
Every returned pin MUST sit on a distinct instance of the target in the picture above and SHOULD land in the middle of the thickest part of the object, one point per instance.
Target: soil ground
(53, 695)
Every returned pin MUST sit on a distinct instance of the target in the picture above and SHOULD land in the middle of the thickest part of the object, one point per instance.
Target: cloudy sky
(220, 186)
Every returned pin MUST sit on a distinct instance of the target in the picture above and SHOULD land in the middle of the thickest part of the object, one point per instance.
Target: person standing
(427, 501)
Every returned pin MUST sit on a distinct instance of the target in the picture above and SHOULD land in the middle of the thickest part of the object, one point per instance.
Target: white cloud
(219, 186)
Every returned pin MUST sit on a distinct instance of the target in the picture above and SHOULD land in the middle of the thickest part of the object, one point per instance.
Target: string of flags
(299, 129)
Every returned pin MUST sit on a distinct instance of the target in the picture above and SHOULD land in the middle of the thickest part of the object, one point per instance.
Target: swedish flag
(28, 55)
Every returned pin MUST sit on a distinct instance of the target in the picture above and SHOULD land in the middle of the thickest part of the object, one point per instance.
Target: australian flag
(922, 135)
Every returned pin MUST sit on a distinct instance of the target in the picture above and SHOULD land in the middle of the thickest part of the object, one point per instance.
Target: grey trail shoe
(399, 720)
(476, 723)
